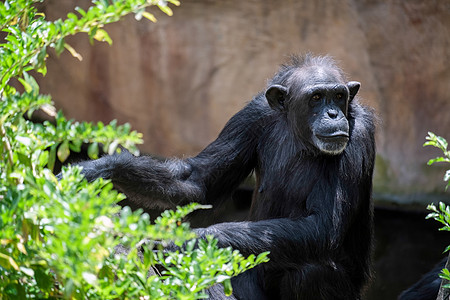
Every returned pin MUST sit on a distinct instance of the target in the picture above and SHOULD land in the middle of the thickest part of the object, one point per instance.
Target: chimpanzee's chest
(283, 185)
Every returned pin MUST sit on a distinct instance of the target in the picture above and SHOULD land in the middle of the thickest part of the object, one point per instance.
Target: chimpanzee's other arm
(302, 238)
(211, 175)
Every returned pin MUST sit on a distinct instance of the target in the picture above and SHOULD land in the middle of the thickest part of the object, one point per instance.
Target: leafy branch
(30, 35)
(441, 143)
(58, 237)
(441, 214)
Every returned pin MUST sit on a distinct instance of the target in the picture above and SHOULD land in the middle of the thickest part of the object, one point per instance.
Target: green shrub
(442, 212)
(57, 238)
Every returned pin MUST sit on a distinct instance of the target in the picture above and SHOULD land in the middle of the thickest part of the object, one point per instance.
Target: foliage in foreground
(442, 212)
(57, 238)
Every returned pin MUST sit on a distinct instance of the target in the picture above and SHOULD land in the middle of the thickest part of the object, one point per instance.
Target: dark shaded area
(406, 247)
(427, 288)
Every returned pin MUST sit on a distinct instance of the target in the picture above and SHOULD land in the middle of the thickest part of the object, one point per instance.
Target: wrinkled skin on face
(315, 100)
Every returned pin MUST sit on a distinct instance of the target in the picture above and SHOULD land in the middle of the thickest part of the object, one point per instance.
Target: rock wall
(179, 80)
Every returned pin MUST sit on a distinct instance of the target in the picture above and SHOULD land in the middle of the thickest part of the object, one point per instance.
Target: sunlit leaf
(167, 10)
(93, 150)
(63, 151)
(447, 175)
(26, 85)
(227, 287)
(73, 52)
(437, 159)
(174, 2)
(8, 262)
(149, 16)
(102, 36)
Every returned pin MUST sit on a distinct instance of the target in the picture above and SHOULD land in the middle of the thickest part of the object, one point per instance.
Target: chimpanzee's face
(316, 101)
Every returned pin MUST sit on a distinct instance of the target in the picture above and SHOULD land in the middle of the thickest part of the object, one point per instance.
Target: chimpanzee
(311, 147)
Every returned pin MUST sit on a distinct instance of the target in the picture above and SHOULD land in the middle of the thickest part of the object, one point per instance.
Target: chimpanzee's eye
(339, 96)
(316, 97)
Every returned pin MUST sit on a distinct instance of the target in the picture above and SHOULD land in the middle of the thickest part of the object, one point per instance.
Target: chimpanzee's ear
(353, 87)
(276, 96)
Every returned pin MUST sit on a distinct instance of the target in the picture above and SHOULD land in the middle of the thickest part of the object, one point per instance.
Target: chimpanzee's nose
(332, 113)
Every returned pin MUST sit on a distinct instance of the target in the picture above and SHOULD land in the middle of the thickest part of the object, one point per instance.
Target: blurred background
(179, 80)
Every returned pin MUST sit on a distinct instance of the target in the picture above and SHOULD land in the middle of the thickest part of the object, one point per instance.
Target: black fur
(311, 209)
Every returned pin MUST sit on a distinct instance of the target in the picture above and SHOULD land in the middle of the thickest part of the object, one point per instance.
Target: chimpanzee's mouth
(333, 143)
(336, 136)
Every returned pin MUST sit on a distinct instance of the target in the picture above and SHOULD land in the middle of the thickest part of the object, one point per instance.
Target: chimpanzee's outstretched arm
(144, 180)
(212, 174)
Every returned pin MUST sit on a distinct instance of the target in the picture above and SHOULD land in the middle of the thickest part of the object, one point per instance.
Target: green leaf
(81, 11)
(41, 58)
(75, 145)
(102, 36)
(222, 278)
(24, 159)
(63, 151)
(227, 287)
(72, 16)
(52, 157)
(107, 273)
(32, 82)
(174, 2)
(93, 150)
(447, 175)
(437, 159)
(445, 273)
(166, 10)
(263, 257)
(43, 158)
(112, 147)
(149, 16)
(26, 85)
(44, 280)
(73, 52)
(442, 143)
(42, 70)
(8, 262)
(59, 46)
(24, 140)
(92, 32)
(89, 278)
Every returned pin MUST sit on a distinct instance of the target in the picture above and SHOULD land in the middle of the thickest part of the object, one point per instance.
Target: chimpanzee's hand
(90, 169)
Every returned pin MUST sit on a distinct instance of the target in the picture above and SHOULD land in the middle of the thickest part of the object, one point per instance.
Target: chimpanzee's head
(315, 97)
